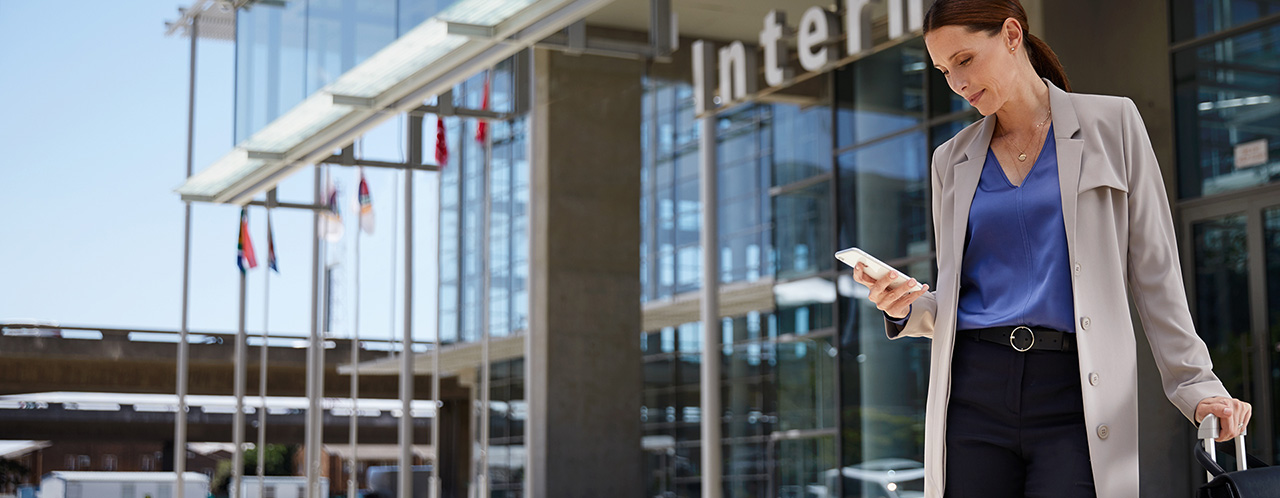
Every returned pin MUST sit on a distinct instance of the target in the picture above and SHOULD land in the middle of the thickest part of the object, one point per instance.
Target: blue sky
(94, 134)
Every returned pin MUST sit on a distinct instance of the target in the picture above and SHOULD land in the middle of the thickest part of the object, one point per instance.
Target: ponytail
(1046, 62)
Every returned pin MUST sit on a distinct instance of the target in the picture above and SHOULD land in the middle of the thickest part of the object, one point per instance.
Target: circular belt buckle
(1029, 339)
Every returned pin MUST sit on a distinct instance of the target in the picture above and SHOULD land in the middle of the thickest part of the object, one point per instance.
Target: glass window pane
(271, 64)
(806, 384)
(1271, 242)
(807, 467)
(883, 383)
(343, 33)
(1222, 296)
(1196, 18)
(880, 94)
(802, 231)
(801, 142)
(884, 198)
(1228, 96)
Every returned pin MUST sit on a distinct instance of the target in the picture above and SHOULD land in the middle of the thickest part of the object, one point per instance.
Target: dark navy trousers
(1015, 424)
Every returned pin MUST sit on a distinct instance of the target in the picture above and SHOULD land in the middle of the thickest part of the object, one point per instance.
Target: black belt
(1024, 338)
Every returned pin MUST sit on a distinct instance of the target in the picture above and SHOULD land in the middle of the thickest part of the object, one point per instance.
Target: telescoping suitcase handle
(1209, 432)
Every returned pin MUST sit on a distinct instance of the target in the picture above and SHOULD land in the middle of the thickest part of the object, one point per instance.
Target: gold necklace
(1022, 153)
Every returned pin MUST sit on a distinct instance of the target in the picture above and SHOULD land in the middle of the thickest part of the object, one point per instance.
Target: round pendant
(1022, 156)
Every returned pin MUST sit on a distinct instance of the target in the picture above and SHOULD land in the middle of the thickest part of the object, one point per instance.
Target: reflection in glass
(1196, 18)
(880, 94)
(801, 142)
(806, 389)
(884, 198)
(1222, 296)
(1271, 246)
(803, 467)
(883, 384)
(270, 64)
(1228, 95)
(803, 232)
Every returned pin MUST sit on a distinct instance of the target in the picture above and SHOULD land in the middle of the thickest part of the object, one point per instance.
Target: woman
(1043, 211)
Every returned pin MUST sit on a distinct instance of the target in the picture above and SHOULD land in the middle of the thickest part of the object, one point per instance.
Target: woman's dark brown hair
(988, 16)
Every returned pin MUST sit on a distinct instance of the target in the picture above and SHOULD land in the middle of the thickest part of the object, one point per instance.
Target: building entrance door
(1231, 263)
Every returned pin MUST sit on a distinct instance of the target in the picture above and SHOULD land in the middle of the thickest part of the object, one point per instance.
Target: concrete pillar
(583, 430)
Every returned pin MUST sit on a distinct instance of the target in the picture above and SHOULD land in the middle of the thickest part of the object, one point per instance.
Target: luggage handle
(1207, 455)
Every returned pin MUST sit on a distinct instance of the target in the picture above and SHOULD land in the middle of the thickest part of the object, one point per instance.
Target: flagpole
(486, 285)
(312, 402)
(262, 386)
(180, 415)
(434, 488)
(355, 363)
(237, 419)
(263, 351)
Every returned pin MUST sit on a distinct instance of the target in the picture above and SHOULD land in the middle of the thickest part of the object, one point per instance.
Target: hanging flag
(244, 246)
(331, 228)
(366, 205)
(482, 129)
(442, 145)
(271, 245)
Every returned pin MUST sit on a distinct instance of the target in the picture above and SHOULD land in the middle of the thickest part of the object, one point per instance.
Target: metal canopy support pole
(180, 416)
(711, 461)
(312, 467)
(406, 347)
(237, 419)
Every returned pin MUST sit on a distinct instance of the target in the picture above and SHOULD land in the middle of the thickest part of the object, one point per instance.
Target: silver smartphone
(874, 268)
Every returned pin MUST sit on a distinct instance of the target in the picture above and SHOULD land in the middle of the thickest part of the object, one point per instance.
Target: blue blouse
(1016, 269)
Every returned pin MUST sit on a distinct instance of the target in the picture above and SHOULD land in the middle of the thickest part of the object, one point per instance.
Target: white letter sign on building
(815, 31)
(773, 41)
(737, 73)
(819, 28)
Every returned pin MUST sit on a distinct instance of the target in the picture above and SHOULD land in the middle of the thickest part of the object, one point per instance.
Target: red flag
(244, 247)
(442, 145)
(482, 130)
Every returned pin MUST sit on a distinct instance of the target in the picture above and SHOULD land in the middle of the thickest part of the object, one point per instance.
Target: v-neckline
(1036, 161)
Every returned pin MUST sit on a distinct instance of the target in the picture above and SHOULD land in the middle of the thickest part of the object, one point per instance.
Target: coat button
(1084, 323)
(1077, 268)
(1103, 432)
(1093, 379)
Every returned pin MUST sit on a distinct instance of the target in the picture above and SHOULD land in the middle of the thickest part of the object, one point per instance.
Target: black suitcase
(1259, 482)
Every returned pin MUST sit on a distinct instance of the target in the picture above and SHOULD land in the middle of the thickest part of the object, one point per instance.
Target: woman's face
(978, 66)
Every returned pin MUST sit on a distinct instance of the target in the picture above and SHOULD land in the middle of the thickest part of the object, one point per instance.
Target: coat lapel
(967, 173)
(1066, 128)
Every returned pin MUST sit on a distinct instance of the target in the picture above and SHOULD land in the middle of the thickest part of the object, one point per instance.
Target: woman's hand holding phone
(895, 302)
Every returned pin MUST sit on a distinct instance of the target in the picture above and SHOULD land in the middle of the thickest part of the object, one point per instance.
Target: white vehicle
(280, 486)
(67, 484)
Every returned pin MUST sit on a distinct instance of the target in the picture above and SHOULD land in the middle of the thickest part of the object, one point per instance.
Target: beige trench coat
(1119, 231)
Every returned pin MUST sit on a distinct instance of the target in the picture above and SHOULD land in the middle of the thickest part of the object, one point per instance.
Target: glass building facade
(465, 252)
(812, 392)
(285, 51)
(1226, 81)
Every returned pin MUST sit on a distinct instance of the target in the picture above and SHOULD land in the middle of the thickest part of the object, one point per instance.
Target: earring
(1012, 48)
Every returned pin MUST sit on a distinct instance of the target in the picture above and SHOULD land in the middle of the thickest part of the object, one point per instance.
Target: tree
(11, 473)
(277, 457)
